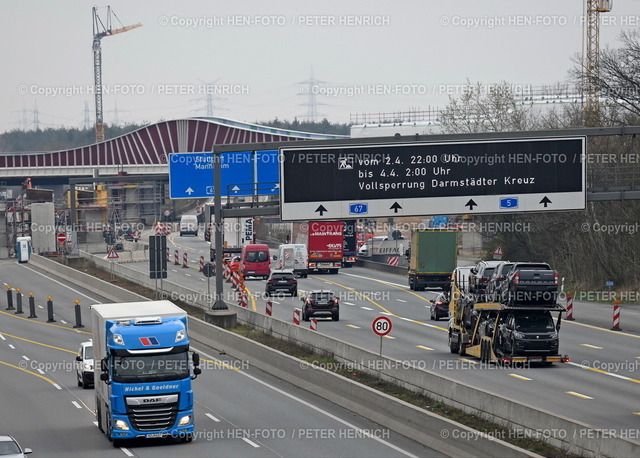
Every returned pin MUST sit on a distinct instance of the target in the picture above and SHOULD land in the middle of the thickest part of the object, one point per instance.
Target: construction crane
(101, 30)
(592, 64)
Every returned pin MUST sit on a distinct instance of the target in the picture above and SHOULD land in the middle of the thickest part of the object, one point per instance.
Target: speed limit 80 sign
(381, 326)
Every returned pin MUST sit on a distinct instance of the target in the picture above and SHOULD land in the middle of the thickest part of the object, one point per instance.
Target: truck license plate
(152, 435)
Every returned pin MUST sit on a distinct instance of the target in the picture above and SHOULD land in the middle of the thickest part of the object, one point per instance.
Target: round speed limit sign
(381, 326)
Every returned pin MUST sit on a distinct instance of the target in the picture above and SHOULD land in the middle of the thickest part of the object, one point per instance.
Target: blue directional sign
(191, 174)
(509, 202)
(268, 171)
(358, 209)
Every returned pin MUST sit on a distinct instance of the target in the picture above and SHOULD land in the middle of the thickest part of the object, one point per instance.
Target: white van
(293, 256)
(189, 225)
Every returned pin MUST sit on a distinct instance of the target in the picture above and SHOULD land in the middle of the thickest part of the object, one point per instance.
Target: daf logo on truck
(151, 400)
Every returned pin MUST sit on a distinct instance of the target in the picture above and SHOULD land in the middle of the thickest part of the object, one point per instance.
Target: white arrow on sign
(189, 190)
(235, 189)
(277, 186)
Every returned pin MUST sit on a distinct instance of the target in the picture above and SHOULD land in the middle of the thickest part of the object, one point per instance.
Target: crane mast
(101, 30)
(592, 64)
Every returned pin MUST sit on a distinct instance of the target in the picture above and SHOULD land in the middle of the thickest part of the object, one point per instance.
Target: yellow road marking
(423, 347)
(29, 372)
(519, 377)
(468, 360)
(583, 396)
(358, 293)
(353, 326)
(38, 343)
(221, 364)
(47, 324)
(636, 413)
(591, 346)
(389, 337)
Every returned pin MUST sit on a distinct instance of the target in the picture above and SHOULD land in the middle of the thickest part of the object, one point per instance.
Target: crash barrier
(509, 413)
(268, 309)
(296, 316)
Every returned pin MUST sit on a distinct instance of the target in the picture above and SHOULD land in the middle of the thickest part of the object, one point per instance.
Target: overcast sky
(254, 56)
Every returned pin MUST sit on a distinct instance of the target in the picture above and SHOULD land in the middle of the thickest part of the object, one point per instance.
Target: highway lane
(59, 421)
(604, 395)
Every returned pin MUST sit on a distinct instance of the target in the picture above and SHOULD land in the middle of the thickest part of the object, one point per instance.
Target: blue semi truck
(143, 371)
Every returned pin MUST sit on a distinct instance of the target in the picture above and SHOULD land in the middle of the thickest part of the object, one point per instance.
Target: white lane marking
(389, 337)
(95, 424)
(366, 308)
(583, 396)
(203, 279)
(126, 451)
(405, 319)
(41, 307)
(521, 377)
(78, 406)
(401, 300)
(618, 376)
(349, 303)
(26, 358)
(12, 347)
(212, 417)
(41, 371)
(468, 360)
(423, 347)
(386, 313)
(57, 386)
(253, 444)
(94, 300)
(62, 321)
(187, 275)
(318, 409)
(591, 346)
(2, 337)
(353, 326)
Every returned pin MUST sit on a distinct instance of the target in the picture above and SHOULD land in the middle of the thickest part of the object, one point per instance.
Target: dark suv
(479, 278)
(499, 274)
(321, 303)
(282, 280)
(439, 306)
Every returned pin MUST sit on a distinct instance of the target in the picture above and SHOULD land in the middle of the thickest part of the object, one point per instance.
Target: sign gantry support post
(219, 303)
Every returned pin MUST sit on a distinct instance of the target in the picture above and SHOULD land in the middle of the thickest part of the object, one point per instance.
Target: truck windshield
(150, 368)
(534, 323)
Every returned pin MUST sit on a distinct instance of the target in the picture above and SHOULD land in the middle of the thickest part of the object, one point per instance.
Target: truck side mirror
(196, 359)
(103, 365)
(104, 377)
(78, 358)
(275, 257)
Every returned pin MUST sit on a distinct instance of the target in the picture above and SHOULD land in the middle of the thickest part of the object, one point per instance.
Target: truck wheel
(453, 344)
(79, 381)
(462, 349)
(85, 384)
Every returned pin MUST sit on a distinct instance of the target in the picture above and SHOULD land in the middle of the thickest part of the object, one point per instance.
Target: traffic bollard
(570, 307)
(78, 315)
(269, 305)
(32, 306)
(296, 316)
(176, 258)
(616, 316)
(184, 260)
(19, 302)
(50, 318)
(313, 324)
(9, 298)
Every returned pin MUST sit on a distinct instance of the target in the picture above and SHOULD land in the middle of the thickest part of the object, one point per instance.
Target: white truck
(143, 372)
(236, 233)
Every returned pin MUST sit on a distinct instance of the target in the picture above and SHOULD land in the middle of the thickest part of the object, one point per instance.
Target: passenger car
(439, 307)
(84, 370)
(321, 303)
(530, 283)
(9, 448)
(498, 276)
(479, 278)
(282, 280)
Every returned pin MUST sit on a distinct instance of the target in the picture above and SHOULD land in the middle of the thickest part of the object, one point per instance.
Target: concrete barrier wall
(108, 290)
(507, 412)
(406, 419)
(382, 267)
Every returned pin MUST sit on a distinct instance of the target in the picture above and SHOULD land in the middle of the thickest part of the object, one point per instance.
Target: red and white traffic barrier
(616, 316)
(296, 316)
(392, 260)
(168, 254)
(158, 229)
(201, 263)
(313, 324)
(184, 260)
(226, 272)
(570, 307)
(268, 310)
(176, 258)
(243, 298)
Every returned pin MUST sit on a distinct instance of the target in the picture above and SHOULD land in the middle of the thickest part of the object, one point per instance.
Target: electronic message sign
(384, 180)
